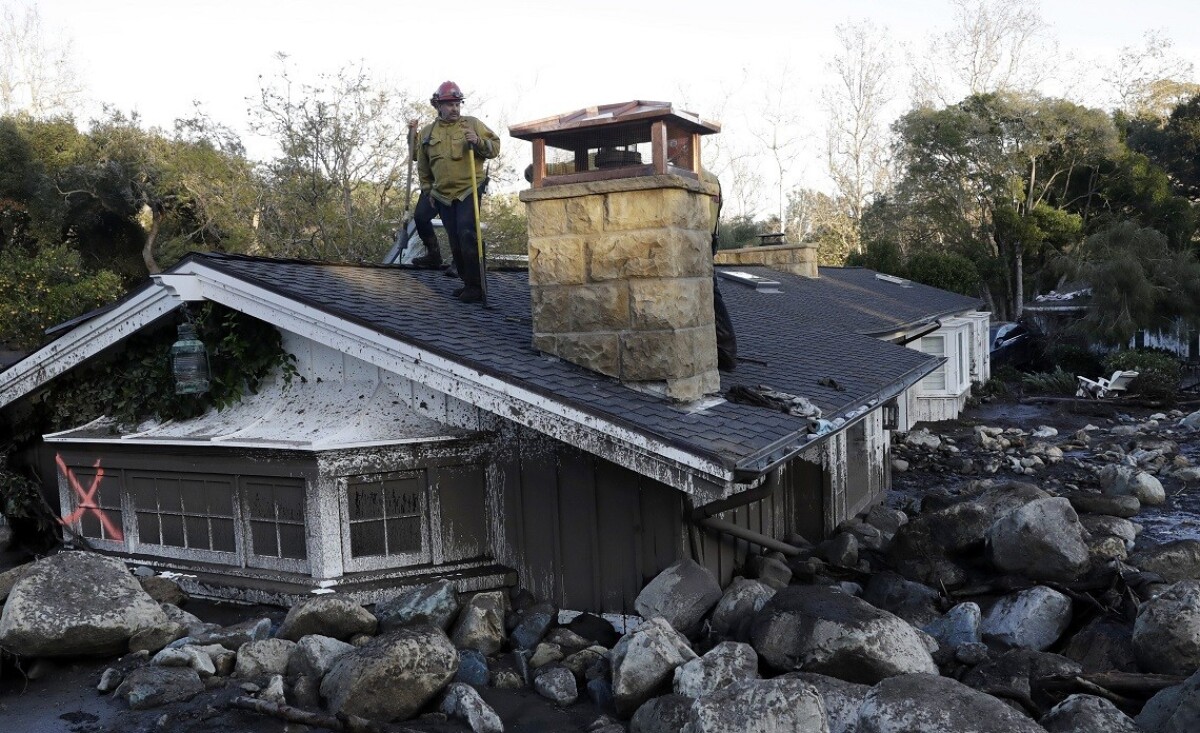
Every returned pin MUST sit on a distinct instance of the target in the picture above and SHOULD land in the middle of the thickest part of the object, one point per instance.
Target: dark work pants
(423, 218)
(726, 339)
(459, 219)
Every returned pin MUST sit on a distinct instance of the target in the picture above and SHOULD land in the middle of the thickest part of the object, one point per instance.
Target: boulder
(76, 604)
(1103, 646)
(163, 590)
(1031, 619)
(473, 668)
(545, 654)
(933, 704)
(532, 625)
(595, 629)
(1166, 634)
(644, 661)
(463, 703)
(315, 655)
(1191, 422)
(1174, 561)
(193, 625)
(557, 684)
(327, 616)
(1010, 675)
(1104, 525)
(1042, 540)
(568, 640)
(1117, 506)
(1127, 481)
(154, 638)
(888, 521)
(152, 686)
(259, 659)
(769, 570)
(393, 676)
(759, 706)
(186, 656)
(666, 714)
(960, 625)
(223, 659)
(741, 600)
(724, 664)
(682, 594)
(480, 623)
(9, 578)
(231, 637)
(841, 550)
(435, 604)
(922, 438)
(841, 699)
(582, 660)
(819, 629)
(1085, 713)
(1175, 709)
(914, 602)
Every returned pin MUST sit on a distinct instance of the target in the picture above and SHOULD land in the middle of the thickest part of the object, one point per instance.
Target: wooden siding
(589, 534)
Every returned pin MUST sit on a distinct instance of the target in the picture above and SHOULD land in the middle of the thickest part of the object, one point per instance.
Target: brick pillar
(620, 275)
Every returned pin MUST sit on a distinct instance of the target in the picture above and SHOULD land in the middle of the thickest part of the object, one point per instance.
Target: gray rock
(463, 703)
(733, 613)
(682, 594)
(557, 684)
(887, 521)
(759, 706)
(481, 623)
(1103, 525)
(1175, 709)
(822, 630)
(1087, 714)
(9, 578)
(1117, 506)
(273, 692)
(327, 616)
(435, 604)
(644, 661)
(392, 676)
(868, 536)
(1031, 619)
(231, 637)
(841, 699)
(666, 714)
(929, 703)
(1174, 561)
(580, 661)
(264, 658)
(1191, 422)
(472, 668)
(6, 537)
(155, 638)
(960, 625)
(315, 655)
(545, 654)
(724, 664)
(971, 653)
(922, 438)
(223, 659)
(768, 570)
(534, 622)
(163, 590)
(1166, 634)
(1148, 489)
(193, 625)
(914, 602)
(1126, 481)
(187, 656)
(841, 550)
(1010, 674)
(1042, 540)
(76, 604)
(568, 640)
(152, 686)
(1103, 646)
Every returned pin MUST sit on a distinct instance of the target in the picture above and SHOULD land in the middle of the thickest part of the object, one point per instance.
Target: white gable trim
(85, 341)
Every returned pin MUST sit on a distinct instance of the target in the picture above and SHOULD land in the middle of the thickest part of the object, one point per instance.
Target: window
(191, 512)
(386, 520)
(97, 497)
(935, 346)
(275, 511)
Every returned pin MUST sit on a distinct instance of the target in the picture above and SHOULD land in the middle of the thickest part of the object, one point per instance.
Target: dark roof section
(415, 306)
(854, 299)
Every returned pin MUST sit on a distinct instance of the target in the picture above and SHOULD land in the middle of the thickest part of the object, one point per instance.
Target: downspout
(705, 517)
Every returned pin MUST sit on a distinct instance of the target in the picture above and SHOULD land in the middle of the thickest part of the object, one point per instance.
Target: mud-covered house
(574, 437)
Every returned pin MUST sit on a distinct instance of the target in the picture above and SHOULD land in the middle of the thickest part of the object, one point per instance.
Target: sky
(526, 59)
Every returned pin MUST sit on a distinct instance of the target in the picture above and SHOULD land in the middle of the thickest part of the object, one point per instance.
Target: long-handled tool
(478, 228)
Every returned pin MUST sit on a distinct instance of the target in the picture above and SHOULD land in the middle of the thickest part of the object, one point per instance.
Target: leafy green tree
(1138, 282)
(1175, 145)
(945, 270)
(41, 288)
(506, 230)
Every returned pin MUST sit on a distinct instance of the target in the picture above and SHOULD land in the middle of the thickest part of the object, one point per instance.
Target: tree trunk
(151, 235)
(1019, 285)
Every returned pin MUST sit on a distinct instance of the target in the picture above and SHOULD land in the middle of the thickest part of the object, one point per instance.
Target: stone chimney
(620, 261)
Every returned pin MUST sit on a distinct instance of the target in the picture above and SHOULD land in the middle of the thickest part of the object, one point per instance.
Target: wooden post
(539, 161)
(658, 146)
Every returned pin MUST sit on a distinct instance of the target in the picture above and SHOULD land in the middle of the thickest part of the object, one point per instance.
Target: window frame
(423, 556)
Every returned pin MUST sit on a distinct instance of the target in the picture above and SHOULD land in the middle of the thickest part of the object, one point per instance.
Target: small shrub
(1075, 359)
(1158, 371)
(1058, 381)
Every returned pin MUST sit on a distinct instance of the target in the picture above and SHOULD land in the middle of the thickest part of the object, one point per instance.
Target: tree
(817, 217)
(45, 286)
(336, 190)
(1174, 145)
(776, 125)
(37, 74)
(1138, 281)
(1148, 81)
(856, 139)
(992, 46)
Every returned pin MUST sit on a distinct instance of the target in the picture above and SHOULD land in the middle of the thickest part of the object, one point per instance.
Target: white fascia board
(296, 445)
(84, 341)
(649, 457)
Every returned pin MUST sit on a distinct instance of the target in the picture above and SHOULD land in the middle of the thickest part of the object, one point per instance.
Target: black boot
(432, 259)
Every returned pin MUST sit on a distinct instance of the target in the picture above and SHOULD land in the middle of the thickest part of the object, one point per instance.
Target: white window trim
(955, 333)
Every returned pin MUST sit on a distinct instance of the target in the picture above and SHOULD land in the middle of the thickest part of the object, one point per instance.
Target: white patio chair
(1101, 388)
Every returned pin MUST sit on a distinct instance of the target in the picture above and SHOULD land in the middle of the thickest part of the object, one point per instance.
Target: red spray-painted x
(87, 500)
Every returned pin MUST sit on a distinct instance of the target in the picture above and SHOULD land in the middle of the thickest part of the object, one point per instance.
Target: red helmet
(447, 92)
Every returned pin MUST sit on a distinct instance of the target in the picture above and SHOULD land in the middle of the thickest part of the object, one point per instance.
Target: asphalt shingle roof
(788, 340)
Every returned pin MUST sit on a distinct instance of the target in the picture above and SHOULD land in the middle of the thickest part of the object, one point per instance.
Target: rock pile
(1017, 601)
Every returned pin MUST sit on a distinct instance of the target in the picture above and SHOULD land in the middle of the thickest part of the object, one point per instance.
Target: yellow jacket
(442, 162)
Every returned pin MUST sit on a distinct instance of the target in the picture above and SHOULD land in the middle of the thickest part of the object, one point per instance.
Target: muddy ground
(62, 698)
